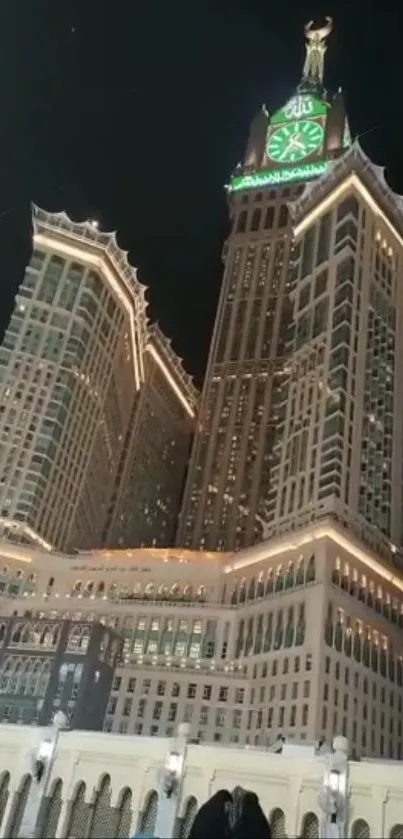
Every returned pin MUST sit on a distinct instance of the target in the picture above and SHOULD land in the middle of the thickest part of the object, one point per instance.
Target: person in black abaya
(247, 818)
(212, 820)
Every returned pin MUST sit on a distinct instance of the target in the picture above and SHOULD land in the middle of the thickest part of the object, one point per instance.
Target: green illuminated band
(279, 176)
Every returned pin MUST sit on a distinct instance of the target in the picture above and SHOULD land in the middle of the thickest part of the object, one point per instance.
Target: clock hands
(296, 144)
(293, 143)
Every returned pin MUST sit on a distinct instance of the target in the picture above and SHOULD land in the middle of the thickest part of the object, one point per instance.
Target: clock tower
(230, 471)
(298, 141)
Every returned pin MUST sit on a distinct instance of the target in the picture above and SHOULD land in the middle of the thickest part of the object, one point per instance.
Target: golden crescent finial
(321, 33)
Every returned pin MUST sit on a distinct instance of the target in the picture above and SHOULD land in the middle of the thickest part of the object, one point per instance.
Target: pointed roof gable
(103, 245)
(88, 233)
(87, 237)
(353, 162)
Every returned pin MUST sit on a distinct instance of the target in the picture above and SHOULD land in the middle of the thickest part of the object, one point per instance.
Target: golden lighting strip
(15, 557)
(24, 528)
(182, 398)
(269, 551)
(352, 182)
(82, 254)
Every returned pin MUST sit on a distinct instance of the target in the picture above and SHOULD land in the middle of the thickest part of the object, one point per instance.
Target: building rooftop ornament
(313, 70)
(353, 162)
(100, 244)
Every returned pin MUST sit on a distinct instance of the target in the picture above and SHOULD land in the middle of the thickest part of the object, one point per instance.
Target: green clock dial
(295, 141)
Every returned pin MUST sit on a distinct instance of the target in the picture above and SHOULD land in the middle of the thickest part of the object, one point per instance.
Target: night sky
(135, 112)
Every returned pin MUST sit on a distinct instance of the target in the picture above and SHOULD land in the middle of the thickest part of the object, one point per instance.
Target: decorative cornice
(157, 337)
(354, 160)
(103, 244)
(88, 233)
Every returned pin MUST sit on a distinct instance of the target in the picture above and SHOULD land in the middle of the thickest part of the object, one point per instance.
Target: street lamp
(170, 782)
(42, 759)
(333, 795)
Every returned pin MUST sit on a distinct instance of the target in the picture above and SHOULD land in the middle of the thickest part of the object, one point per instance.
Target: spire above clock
(314, 64)
(298, 141)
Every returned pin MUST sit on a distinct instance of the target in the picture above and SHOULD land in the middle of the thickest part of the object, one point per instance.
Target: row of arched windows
(79, 638)
(372, 595)
(33, 635)
(150, 591)
(91, 814)
(24, 676)
(14, 584)
(277, 630)
(365, 645)
(8, 573)
(283, 578)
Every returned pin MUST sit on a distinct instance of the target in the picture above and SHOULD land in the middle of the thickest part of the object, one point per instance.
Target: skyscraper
(300, 635)
(146, 500)
(73, 364)
(339, 431)
(229, 477)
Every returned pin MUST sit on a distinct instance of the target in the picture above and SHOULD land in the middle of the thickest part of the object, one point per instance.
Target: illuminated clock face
(295, 141)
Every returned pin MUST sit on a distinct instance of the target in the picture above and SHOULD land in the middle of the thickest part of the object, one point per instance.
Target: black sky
(136, 111)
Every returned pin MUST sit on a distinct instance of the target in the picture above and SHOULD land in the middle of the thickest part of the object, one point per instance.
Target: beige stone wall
(120, 775)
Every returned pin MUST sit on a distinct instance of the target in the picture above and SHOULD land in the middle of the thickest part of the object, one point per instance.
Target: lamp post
(170, 784)
(42, 759)
(333, 795)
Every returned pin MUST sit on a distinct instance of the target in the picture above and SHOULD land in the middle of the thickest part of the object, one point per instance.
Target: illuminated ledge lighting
(352, 182)
(278, 176)
(182, 398)
(81, 254)
(20, 527)
(296, 541)
(5, 553)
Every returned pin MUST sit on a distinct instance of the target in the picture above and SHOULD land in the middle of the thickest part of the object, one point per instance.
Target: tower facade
(230, 471)
(338, 447)
(72, 368)
(149, 485)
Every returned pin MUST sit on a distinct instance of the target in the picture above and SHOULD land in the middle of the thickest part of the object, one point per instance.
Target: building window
(242, 218)
(141, 708)
(127, 707)
(283, 216)
(188, 713)
(207, 692)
